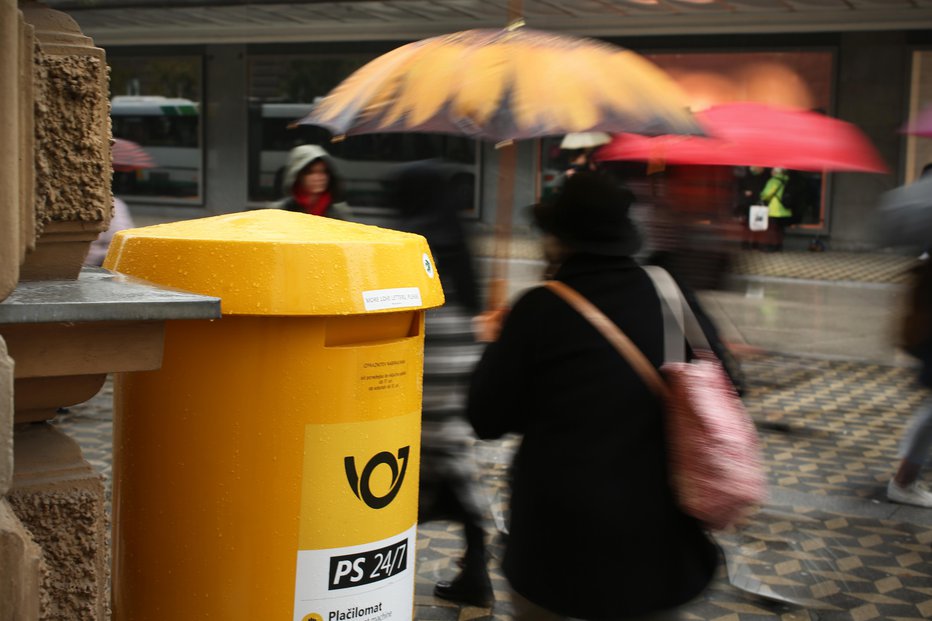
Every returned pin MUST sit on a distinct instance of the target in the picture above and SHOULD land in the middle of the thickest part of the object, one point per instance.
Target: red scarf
(316, 208)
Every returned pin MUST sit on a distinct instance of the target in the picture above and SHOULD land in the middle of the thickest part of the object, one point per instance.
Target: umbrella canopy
(922, 126)
(502, 85)
(752, 134)
(128, 156)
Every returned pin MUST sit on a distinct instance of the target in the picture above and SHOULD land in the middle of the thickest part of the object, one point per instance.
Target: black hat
(590, 214)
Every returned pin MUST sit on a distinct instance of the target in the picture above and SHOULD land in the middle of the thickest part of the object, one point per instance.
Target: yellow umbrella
(506, 85)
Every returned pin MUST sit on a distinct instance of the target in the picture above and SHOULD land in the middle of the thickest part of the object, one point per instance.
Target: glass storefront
(155, 103)
(797, 79)
(282, 89)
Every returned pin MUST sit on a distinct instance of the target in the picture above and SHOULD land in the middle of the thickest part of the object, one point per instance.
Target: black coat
(595, 532)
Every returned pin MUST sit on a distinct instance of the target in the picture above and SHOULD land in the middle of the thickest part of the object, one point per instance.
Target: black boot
(472, 587)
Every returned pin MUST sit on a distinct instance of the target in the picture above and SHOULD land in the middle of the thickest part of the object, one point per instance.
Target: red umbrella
(752, 134)
(128, 156)
(922, 126)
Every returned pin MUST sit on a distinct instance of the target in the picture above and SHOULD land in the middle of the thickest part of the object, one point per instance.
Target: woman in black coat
(595, 532)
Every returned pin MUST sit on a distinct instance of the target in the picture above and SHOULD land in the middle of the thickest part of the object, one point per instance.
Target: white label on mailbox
(402, 297)
(371, 582)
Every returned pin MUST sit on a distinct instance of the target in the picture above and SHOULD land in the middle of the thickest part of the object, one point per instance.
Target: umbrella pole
(515, 11)
(507, 164)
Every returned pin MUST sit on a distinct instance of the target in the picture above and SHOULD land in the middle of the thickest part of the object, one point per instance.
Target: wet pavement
(831, 396)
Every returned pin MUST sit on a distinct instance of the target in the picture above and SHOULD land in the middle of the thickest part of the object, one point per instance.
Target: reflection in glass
(155, 103)
(801, 79)
(283, 90)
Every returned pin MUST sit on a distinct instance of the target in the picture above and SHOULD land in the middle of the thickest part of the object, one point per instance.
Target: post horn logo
(312, 617)
(360, 484)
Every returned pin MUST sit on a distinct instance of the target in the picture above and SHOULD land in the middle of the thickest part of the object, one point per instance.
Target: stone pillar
(17, 222)
(73, 202)
(60, 499)
(20, 561)
(20, 557)
(54, 200)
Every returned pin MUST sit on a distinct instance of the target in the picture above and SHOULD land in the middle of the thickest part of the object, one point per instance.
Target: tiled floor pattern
(848, 266)
(790, 564)
(828, 428)
(835, 567)
(832, 266)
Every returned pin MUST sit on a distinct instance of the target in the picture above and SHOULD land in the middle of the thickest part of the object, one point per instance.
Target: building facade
(212, 90)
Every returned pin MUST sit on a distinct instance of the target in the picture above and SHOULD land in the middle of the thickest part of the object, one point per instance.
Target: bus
(169, 130)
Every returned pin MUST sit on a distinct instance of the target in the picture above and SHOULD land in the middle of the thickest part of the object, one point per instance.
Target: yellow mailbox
(269, 469)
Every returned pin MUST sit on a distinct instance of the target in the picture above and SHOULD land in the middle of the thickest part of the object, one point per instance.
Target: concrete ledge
(60, 499)
(100, 295)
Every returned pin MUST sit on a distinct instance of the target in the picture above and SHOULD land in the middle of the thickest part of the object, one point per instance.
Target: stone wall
(17, 222)
(20, 557)
(54, 200)
(72, 159)
(60, 499)
(72, 165)
(872, 96)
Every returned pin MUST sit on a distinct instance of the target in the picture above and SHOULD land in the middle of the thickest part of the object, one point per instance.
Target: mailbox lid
(274, 262)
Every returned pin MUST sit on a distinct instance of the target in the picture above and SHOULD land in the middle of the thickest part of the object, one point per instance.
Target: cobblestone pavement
(826, 546)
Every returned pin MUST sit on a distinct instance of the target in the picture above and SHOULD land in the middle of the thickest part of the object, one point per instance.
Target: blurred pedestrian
(750, 184)
(579, 150)
(126, 158)
(449, 472)
(595, 531)
(905, 214)
(312, 185)
(905, 486)
(778, 215)
(120, 220)
(906, 218)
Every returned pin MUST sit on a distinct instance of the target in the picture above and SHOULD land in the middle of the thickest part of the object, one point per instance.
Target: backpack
(795, 196)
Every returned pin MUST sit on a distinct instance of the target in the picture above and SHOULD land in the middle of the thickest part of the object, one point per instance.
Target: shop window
(283, 89)
(796, 79)
(155, 102)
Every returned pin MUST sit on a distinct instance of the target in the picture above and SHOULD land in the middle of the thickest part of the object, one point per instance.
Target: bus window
(155, 103)
(169, 130)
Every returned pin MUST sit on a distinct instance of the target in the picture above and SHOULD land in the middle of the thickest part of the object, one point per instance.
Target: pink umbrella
(128, 156)
(752, 134)
(922, 126)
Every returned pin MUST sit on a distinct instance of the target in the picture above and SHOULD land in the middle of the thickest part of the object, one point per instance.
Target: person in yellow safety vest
(777, 213)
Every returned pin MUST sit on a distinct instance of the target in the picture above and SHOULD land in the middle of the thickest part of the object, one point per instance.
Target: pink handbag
(712, 444)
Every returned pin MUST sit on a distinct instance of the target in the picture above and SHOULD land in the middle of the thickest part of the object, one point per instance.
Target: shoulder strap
(679, 319)
(613, 334)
